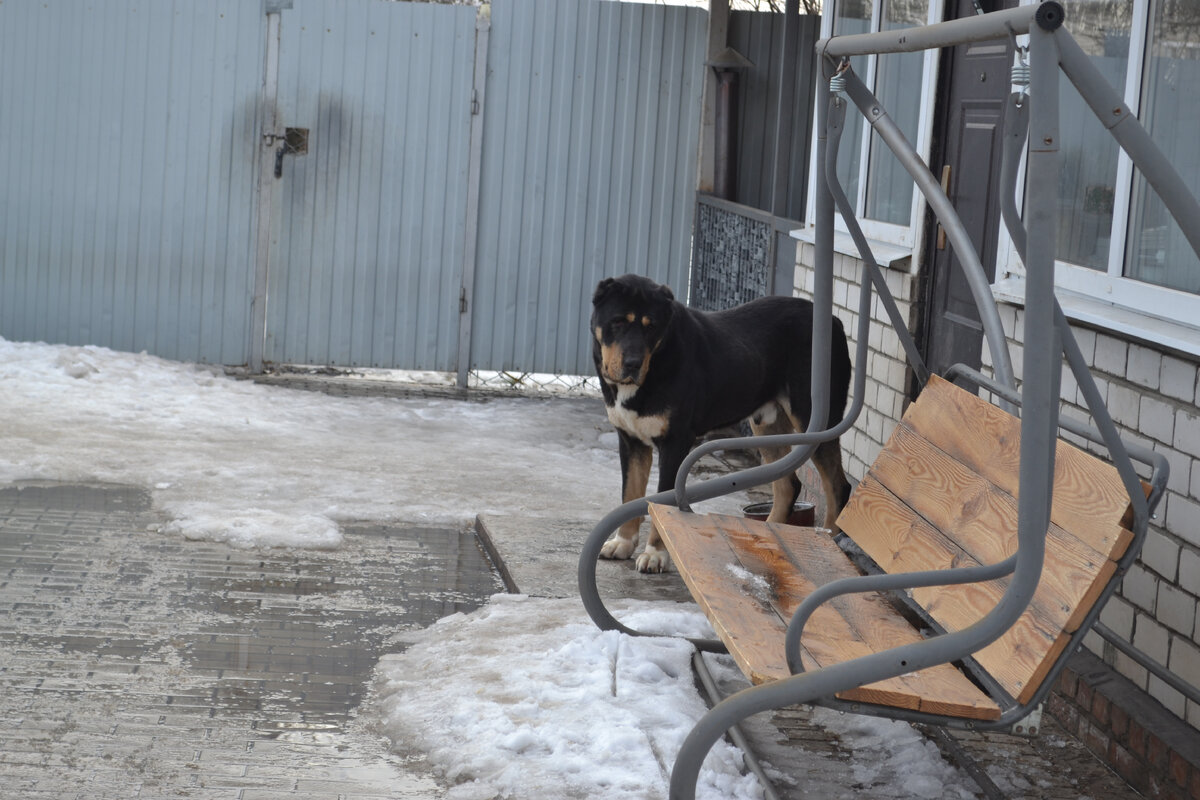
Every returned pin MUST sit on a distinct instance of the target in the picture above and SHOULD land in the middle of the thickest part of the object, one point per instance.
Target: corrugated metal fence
(595, 107)
(127, 142)
(366, 264)
(143, 204)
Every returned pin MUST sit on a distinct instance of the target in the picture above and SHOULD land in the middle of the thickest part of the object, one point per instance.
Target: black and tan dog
(671, 374)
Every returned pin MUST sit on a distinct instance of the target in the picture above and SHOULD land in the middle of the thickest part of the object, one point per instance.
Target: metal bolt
(1048, 140)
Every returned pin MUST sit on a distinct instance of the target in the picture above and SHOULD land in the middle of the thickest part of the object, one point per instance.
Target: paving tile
(137, 665)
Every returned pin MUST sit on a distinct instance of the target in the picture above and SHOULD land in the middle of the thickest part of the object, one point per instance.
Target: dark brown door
(974, 83)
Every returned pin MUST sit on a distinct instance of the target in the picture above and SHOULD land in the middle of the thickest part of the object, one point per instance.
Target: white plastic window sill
(1154, 331)
(890, 256)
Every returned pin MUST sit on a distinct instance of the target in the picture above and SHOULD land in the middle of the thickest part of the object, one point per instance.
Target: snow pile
(534, 701)
(895, 755)
(257, 465)
(531, 700)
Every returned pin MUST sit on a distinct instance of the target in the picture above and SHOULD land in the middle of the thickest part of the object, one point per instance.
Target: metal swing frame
(1031, 126)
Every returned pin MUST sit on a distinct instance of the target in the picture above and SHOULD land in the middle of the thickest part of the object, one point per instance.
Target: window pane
(1158, 253)
(853, 16)
(898, 82)
(1089, 154)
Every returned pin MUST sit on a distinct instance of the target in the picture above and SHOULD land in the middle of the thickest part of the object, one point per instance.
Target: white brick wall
(887, 375)
(1153, 397)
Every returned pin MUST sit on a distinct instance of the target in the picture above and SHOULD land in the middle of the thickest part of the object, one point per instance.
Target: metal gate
(321, 182)
(127, 159)
(367, 178)
(591, 136)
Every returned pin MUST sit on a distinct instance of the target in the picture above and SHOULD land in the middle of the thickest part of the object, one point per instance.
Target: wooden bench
(941, 494)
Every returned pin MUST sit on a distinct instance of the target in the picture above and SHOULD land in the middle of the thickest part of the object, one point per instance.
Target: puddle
(165, 649)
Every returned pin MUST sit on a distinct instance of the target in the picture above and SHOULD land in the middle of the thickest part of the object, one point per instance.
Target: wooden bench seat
(941, 494)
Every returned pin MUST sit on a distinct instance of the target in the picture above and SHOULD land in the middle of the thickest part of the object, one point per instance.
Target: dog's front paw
(653, 560)
(618, 548)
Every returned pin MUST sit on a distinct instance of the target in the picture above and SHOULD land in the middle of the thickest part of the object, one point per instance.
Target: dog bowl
(802, 514)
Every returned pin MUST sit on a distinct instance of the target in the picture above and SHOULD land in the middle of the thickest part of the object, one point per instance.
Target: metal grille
(734, 257)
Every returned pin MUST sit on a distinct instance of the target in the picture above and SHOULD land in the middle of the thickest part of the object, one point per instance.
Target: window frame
(909, 237)
(1137, 308)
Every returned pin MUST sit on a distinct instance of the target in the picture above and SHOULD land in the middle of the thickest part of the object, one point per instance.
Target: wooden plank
(1089, 496)
(920, 508)
(941, 689)
(744, 575)
(902, 541)
(982, 521)
(738, 606)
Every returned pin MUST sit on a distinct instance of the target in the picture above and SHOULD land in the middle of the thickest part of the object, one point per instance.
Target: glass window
(853, 16)
(1110, 221)
(1157, 251)
(1088, 178)
(898, 84)
(899, 81)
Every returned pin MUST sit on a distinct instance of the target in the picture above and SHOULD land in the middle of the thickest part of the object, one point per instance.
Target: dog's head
(630, 319)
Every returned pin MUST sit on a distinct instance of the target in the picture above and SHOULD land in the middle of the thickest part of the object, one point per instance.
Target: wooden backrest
(943, 493)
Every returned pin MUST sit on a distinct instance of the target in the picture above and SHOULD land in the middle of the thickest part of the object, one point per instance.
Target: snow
(254, 465)
(554, 709)
(523, 698)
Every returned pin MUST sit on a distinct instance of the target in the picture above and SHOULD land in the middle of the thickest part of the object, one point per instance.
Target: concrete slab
(539, 556)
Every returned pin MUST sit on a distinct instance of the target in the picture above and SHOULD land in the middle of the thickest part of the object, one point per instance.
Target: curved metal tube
(884, 583)
(807, 687)
(1015, 133)
(837, 119)
(1016, 130)
(944, 210)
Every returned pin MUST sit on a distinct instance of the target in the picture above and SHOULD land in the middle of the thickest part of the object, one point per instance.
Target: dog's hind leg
(828, 460)
(784, 491)
(636, 458)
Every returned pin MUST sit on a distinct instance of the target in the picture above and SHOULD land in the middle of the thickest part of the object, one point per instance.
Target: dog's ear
(666, 292)
(602, 290)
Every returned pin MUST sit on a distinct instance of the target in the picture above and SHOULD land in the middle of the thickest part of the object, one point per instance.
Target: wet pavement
(135, 663)
(138, 664)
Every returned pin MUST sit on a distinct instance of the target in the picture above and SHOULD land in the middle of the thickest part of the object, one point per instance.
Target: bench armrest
(884, 583)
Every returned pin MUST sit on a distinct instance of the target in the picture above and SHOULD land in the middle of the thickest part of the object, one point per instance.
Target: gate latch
(293, 141)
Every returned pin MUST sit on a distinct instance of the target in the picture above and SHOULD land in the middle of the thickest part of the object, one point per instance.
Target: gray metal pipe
(1156, 669)
(1040, 389)
(960, 240)
(837, 118)
(1016, 127)
(996, 25)
(1016, 130)
(886, 582)
(735, 733)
